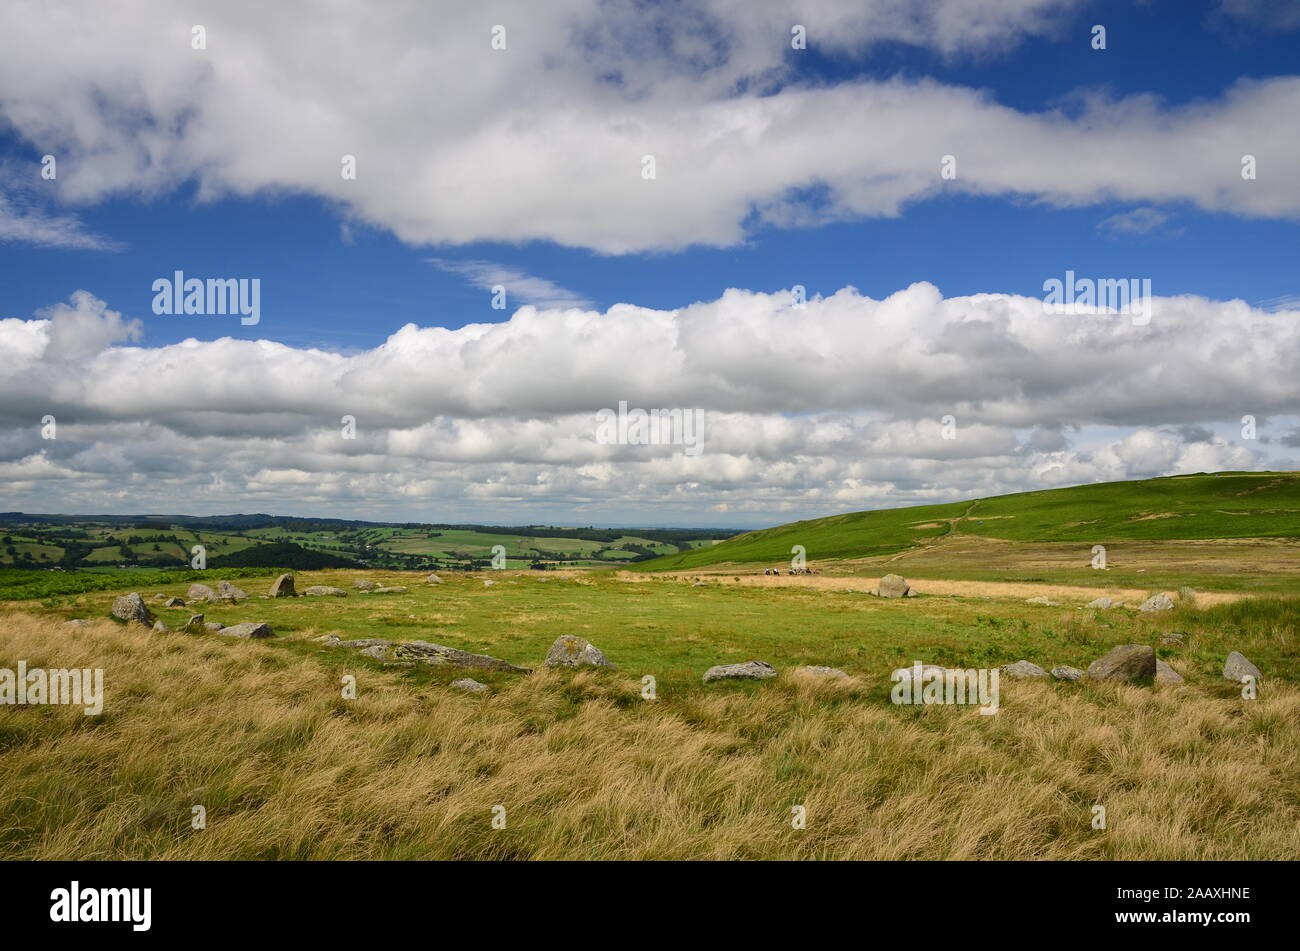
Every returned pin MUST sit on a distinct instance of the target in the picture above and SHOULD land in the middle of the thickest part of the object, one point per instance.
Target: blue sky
(221, 162)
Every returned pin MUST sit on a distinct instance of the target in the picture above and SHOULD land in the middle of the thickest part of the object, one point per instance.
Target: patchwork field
(258, 732)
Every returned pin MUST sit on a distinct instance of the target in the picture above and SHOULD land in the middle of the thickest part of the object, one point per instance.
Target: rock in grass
(1157, 602)
(227, 590)
(363, 585)
(213, 626)
(434, 579)
(195, 625)
(465, 683)
(75, 622)
(283, 587)
(892, 586)
(174, 603)
(330, 640)
(1067, 673)
(1101, 604)
(248, 629)
(396, 589)
(1042, 600)
(361, 642)
(1167, 675)
(324, 590)
(428, 653)
(377, 651)
(1130, 662)
(750, 670)
(200, 592)
(572, 651)
(1022, 669)
(161, 628)
(1236, 667)
(812, 670)
(131, 608)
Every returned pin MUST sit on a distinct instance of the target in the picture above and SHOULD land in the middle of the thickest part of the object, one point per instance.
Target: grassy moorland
(259, 734)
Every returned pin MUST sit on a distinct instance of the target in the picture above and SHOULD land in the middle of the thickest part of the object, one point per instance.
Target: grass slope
(1223, 505)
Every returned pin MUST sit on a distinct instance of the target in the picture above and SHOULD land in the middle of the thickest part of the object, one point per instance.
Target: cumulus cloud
(544, 140)
(835, 406)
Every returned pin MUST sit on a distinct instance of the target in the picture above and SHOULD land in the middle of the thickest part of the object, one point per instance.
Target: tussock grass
(259, 734)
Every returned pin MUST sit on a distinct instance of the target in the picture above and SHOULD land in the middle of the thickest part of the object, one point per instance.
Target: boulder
(465, 683)
(396, 589)
(1131, 662)
(434, 579)
(1157, 602)
(572, 651)
(363, 642)
(330, 640)
(377, 651)
(1166, 674)
(437, 654)
(362, 585)
(248, 629)
(213, 626)
(200, 592)
(160, 627)
(892, 586)
(325, 590)
(832, 673)
(1174, 639)
(174, 603)
(1101, 603)
(283, 587)
(1022, 669)
(130, 607)
(227, 590)
(750, 670)
(1042, 600)
(1236, 667)
(1067, 673)
(195, 625)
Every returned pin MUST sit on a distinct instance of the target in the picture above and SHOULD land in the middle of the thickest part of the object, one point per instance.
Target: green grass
(1226, 505)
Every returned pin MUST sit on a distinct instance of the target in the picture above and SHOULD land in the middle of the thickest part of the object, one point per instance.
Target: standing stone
(283, 587)
(1158, 602)
(1167, 675)
(572, 651)
(248, 629)
(1236, 667)
(1022, 669)
(227, 590)
(200, 592)
(893, 586)
(1131, 662)
(750, 670)
(130, 607)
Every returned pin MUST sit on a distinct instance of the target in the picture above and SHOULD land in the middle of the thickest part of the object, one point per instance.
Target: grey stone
(363, 585)
(321, 590)
(892, 586)
(75, 622)
(465, 683)
(1131, 662)
(1101, 603)
(434, 579)
(750, 670)
(363, 642)
(283, 587)
(377, 651)
(160, 627)
(1236, 666)
(213, 626)
(200, 592)
(174, 603)
(833, 673)
(131, 607)
(438, 654)
(1170, 640)
(1166, 674)
(397, 589)
(572, 651)
(330, 640)
(1067, 673)
(248, 629)
(195, 625)
(227, 590)
(1042, 600)
(1022, 669)
(1157, 602)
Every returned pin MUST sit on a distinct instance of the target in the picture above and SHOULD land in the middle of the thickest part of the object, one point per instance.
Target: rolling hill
(1222, 505)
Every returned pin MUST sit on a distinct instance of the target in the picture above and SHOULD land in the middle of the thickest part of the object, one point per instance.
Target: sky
(825, 228)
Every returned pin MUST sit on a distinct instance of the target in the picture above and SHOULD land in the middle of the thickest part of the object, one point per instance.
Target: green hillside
(1220, 505)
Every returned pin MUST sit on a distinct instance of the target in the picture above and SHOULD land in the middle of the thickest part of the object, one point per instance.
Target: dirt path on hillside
(961, 589)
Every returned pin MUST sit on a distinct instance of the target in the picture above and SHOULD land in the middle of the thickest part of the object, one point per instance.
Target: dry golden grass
(259, 734)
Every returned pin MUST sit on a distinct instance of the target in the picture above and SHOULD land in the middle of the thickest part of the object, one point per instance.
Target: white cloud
(837, 406)
(518, 284)
(544, 140)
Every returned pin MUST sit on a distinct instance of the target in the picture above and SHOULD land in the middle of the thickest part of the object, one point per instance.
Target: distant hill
(281, 555)
(1218, 505)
